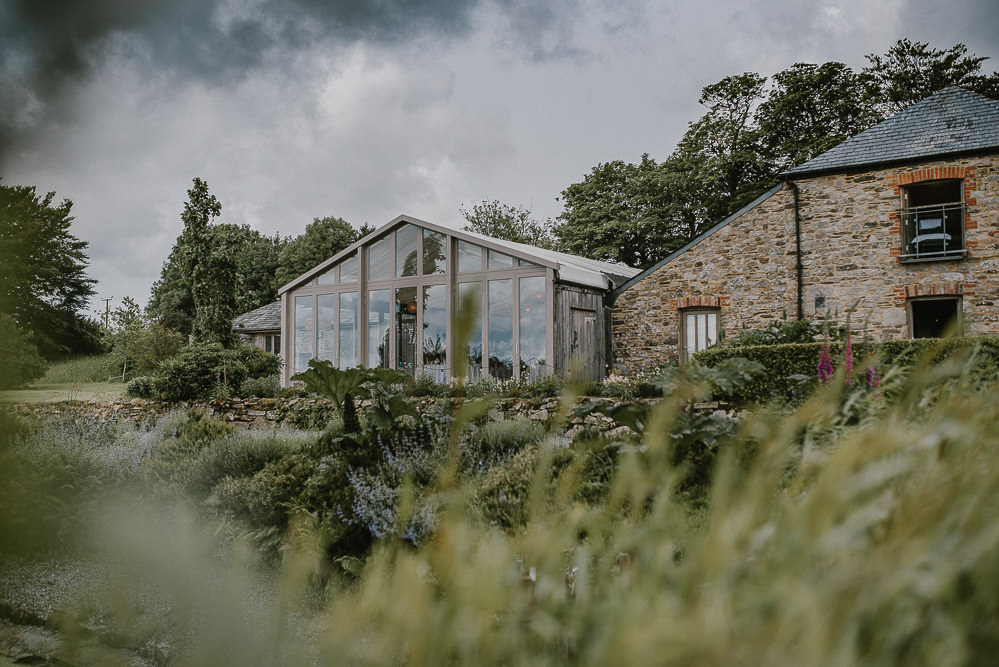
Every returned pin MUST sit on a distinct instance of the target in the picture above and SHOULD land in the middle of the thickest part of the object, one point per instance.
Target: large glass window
(435, 331)
(325, 332)
(501, 329)
(405, 328)
(327, 278)
(347, 325)
(405, 250)
(434, 252)
(380, 259)
(469, 319)
(379, 315)
(469, 257)
(303, 333)
(532, 327)
(348, 270)
(498, 260)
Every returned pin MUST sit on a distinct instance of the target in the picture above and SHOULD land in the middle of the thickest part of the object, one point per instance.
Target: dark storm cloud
(48, 46)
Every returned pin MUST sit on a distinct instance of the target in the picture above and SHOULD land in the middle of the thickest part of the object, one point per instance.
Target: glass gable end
(398, 303)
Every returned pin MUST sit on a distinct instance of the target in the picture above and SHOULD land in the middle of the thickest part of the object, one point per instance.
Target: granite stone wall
(851, 241)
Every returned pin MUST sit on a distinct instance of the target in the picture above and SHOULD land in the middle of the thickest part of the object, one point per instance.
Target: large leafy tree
(753, 129)
(172, 301)
(506, 222)
(810, 109)
(910, 71)
(323, 238)
(43, 279)
(617, 213)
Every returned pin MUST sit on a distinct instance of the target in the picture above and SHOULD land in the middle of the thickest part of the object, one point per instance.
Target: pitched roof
(264, 318)
(951, 121)
(570, 268)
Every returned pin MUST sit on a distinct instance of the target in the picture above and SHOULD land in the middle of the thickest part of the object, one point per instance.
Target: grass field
(76, 379)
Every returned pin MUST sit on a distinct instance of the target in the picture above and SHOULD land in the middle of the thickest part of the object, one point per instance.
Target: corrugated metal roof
(951, 121)
(264, 318)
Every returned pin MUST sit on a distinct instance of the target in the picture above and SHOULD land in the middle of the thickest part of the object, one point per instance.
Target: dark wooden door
(586, 360)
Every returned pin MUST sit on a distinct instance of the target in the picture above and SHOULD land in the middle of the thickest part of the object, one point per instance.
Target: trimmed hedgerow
(791, 369)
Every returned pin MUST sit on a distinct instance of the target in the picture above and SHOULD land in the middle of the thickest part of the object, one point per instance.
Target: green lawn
(82, 378)
(64, 391)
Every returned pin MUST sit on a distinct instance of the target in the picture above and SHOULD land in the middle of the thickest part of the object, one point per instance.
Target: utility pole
(107, 310)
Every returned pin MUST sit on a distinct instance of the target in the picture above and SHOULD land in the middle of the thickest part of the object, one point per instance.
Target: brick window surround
(898, 182)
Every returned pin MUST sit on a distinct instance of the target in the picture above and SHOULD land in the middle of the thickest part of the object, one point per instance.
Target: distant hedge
(791, 369)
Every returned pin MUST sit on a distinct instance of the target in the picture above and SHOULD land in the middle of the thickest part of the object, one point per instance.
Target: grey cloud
(49, 46)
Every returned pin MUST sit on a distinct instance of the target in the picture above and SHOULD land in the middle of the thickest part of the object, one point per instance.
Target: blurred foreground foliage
(857, 528)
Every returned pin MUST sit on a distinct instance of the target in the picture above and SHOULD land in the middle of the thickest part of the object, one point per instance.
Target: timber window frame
(933, 221)
(699, 330)
(935, 316)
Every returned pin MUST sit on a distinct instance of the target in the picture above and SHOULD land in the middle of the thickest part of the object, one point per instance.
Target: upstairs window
(933, 221)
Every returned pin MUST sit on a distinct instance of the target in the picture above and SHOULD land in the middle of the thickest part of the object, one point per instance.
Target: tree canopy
(323, 238)
(506, 222)
(753, 128)
(239, 262)
(43, 272)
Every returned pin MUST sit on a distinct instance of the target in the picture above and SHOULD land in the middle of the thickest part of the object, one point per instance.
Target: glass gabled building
(430, 300)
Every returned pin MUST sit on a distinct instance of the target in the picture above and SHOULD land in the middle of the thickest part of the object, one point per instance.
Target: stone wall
(851, 241)
(852, 237)
(745, 268)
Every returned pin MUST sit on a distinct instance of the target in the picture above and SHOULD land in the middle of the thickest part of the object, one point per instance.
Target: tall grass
(859, 529)
(87, 368)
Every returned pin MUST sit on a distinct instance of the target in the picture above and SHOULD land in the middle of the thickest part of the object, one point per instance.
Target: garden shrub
(496, 441)
(782, 332)
(237, 455)
(791, 369)
(261, 387)
(22, 363)
(200, 369)
(143, 386)
(140, 350)
(500, 495)
(172, 467)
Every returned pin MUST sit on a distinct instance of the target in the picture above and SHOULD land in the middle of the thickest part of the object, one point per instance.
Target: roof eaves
(697, 239)
(794, 174)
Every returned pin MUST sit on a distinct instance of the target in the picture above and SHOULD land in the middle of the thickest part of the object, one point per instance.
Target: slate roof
(951, 121)
(265, 318)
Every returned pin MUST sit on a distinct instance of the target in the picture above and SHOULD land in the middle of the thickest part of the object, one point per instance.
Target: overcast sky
(365, 109)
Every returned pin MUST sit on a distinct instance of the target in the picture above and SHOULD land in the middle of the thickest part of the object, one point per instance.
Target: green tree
(43, 280)
(613, 213)
(172, 302)
(506, 222)
(911, 71)
(323, 238)
(810, 109)
(21, 361)
(749, 134)
(209, 264)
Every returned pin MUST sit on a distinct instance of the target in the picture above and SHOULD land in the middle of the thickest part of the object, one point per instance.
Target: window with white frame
(698, 331)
